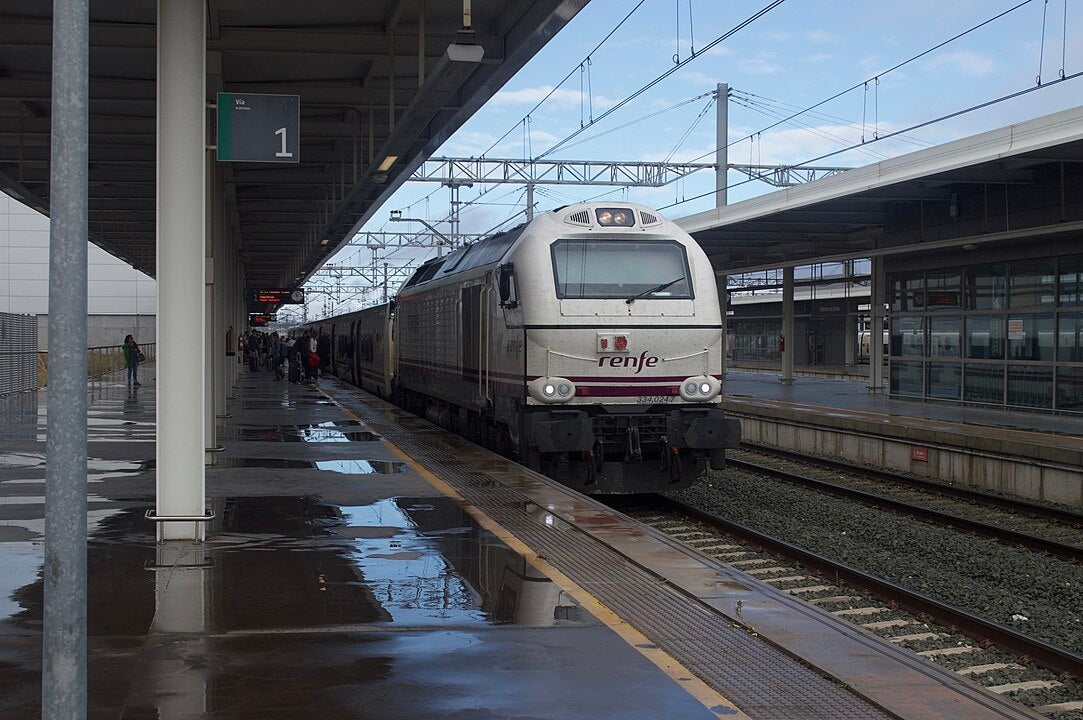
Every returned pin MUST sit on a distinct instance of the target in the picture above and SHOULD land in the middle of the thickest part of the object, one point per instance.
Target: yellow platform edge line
(701, 691)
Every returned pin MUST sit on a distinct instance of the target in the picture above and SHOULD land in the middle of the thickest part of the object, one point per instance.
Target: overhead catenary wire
(911, 128)
(721, 38)
(565, 79)
(880, 74)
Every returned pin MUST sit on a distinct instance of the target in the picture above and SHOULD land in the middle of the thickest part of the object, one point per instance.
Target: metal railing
(100, 361)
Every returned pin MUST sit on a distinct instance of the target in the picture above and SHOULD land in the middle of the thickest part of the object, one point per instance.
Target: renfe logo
(617, 361)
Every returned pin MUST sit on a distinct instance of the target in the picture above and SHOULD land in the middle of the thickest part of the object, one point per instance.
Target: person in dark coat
(323, 349)
(132, 353)
(253, 352)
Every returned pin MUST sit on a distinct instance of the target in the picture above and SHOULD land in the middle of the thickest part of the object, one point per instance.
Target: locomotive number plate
(654, 399)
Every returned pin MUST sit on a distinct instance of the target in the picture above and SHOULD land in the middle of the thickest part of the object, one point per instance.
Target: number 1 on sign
(282, 153)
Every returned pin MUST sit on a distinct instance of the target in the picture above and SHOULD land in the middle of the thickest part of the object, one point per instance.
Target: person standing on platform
(323, 349)
(132, 356)
(253, 352)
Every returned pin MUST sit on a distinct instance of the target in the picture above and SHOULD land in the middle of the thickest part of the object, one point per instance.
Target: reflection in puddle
(346, 467)
(320, 432)
(442, 567)
(93, 465)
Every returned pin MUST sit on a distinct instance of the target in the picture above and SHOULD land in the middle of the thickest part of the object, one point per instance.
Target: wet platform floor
(336, 582)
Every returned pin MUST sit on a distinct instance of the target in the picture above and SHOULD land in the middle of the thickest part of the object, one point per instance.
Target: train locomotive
(588, 342)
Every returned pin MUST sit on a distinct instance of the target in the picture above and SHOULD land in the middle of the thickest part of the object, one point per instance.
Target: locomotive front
(622, 343)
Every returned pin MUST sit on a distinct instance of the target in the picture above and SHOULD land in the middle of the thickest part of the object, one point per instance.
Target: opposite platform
(1030, 454)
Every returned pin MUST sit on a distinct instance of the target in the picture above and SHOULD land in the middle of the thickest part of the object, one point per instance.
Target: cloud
(532, 96)
(819, 37)
(965, 61)
(473, 144)
(760, 65)
(703, 80)
(817, 59)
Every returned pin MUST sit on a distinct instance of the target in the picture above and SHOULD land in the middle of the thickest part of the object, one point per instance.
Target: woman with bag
(132, 356)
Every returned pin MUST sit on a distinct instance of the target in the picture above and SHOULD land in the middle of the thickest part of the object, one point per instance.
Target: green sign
(259, 128)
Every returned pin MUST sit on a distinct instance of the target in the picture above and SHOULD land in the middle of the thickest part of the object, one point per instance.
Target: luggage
(295, 372)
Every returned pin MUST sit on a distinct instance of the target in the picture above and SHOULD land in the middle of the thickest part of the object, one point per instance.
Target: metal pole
(721, 139)
(876, 326)
(530, 201)
(64, 643)
(789, 341)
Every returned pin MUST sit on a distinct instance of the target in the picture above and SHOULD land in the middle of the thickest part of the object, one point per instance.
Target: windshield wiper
(656, 288)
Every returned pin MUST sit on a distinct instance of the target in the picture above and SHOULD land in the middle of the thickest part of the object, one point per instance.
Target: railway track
(1016, 506)
(1037, 673)
(924, 499)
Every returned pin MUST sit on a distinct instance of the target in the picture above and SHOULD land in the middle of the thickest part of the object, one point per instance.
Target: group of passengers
(280, 354)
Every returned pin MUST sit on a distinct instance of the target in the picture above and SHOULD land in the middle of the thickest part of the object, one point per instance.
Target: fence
(100, 361)
(18, 353)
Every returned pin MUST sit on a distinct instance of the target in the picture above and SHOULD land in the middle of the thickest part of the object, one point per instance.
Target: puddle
(299, 560)
(315, 432)
(442, 567)
(346, 467)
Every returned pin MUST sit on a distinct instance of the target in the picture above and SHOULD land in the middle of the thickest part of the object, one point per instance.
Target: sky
(797, 54)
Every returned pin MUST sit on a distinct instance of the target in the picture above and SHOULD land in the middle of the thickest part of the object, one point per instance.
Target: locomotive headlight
(700, 388)
(551, 389)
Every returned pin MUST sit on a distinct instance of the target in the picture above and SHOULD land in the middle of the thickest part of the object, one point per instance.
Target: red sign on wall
(919, 454)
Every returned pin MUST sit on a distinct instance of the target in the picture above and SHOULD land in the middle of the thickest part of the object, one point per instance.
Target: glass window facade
(986, 288)
(908, 337)
(1032, 284)
(1070, 337)
(1071, 282)
(1007, 334)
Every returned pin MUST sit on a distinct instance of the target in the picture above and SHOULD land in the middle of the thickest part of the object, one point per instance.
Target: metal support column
(876, 327)
(63, 671)
(723, 308)
(181, 265)
(788, 341)
(721, 140)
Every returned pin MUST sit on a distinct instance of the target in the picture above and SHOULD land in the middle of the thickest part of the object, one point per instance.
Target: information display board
(258, 128)
(277, 296)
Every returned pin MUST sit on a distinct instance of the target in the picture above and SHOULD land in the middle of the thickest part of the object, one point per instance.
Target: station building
(976, 262)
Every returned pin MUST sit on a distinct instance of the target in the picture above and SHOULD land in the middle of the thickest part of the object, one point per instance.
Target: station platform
(1030, 454)
(364, 563)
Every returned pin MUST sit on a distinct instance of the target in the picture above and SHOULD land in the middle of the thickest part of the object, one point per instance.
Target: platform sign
(259, 128)
(919, 454)
(260, 320)
(278, 296)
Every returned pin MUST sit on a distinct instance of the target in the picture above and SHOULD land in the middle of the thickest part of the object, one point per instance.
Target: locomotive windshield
(594, 269)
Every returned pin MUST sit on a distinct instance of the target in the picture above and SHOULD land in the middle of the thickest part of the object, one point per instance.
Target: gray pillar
(221, 281)
(209, 270)
(876, 325)
(64, 642)
(721, 139)
(181, 264)
(787, 326)
(849, 357)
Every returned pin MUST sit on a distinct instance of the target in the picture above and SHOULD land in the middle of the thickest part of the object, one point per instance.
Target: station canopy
(382, 83)
(982, 191)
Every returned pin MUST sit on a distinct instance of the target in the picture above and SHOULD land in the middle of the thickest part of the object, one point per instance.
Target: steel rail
(1047, 655)
(1044, 512)
(1002, 534)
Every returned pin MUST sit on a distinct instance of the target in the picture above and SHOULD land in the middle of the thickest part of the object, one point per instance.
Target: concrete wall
(120, 299)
